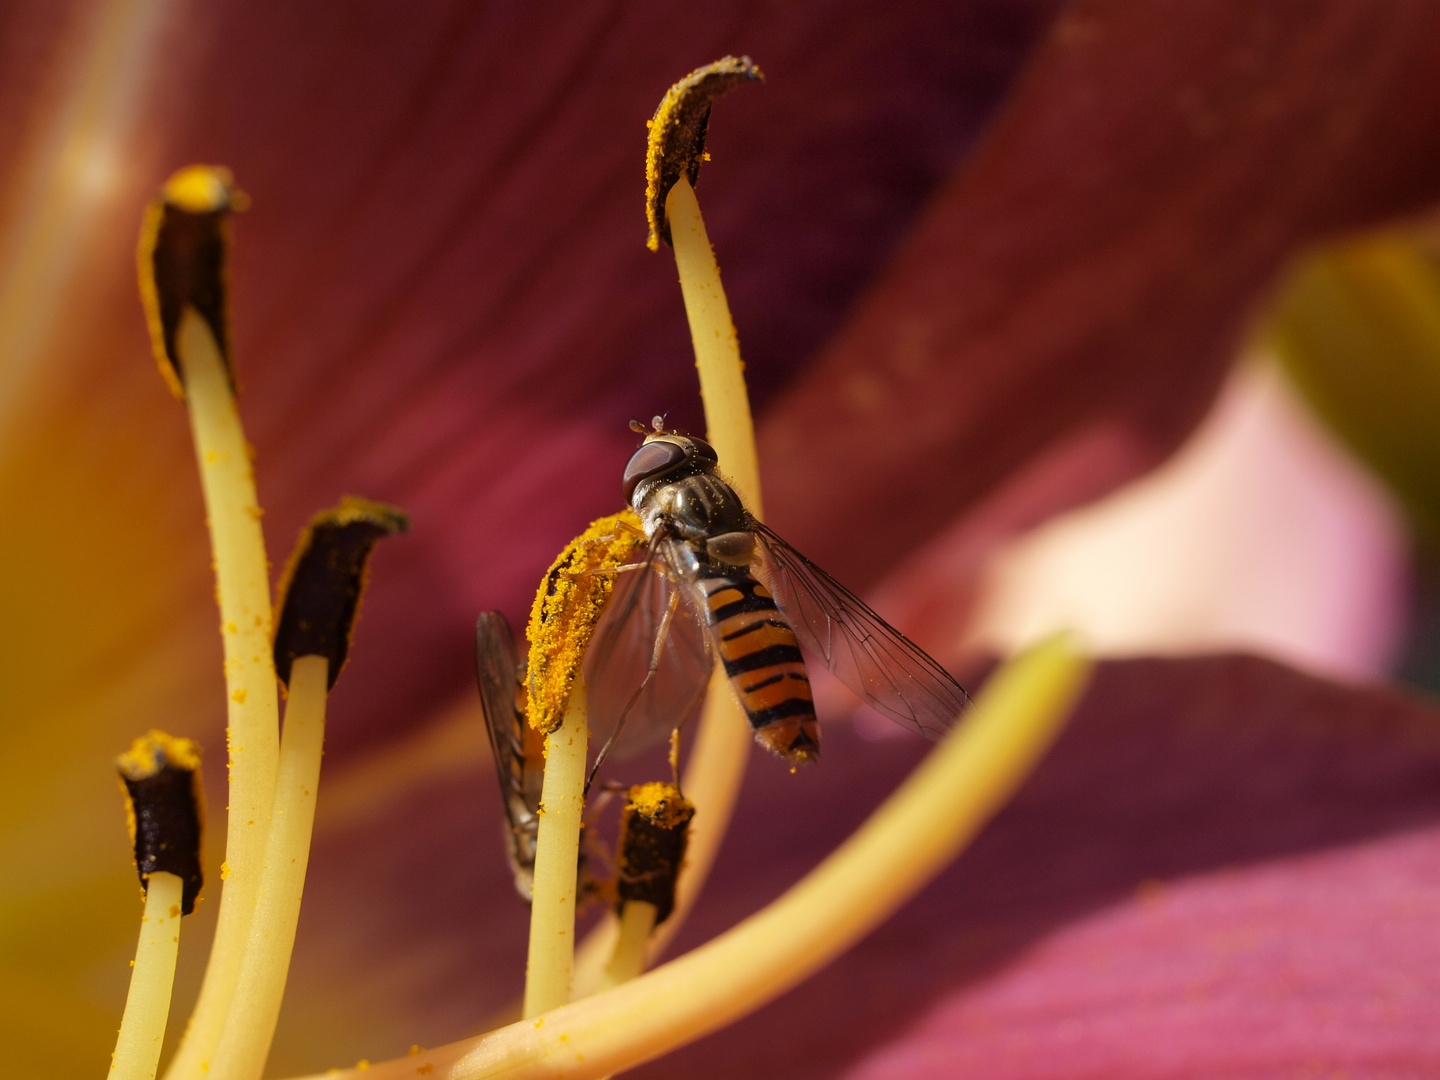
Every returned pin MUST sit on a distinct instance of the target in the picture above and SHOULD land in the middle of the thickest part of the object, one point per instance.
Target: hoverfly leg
(660, 635)
(680, 727)
(602, 570)
(607, 790)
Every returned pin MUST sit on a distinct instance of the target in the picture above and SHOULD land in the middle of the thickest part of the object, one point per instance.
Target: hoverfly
(519, 754)
(749, 599)
(518, 749)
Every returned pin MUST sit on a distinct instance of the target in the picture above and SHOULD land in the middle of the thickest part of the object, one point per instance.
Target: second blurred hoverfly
(518, 749)
(752, 599)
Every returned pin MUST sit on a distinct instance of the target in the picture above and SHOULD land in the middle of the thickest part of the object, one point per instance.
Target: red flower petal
(442, 293)
(1094, 264)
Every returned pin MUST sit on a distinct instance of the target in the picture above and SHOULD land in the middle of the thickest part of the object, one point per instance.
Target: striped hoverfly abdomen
(761, 657)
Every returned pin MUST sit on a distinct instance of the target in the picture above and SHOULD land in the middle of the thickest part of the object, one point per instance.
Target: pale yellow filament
(242, 575)
(717, 350)
(909, 839)
(142, 1030)
(723, 736)
(551, 961)
(636, 922)
(632, 938)
(245, 1042)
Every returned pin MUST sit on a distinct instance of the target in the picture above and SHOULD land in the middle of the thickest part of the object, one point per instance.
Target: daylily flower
(968, 249)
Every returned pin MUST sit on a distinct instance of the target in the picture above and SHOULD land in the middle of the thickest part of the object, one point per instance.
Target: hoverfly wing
(887, 670)
(648, 663)
(495, 667)
(518, 763)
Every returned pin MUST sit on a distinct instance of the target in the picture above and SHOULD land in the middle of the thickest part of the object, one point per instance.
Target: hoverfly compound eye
(704, 451)
(650, 460)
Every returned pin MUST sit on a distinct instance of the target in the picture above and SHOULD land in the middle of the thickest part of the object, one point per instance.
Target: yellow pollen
(571, 598)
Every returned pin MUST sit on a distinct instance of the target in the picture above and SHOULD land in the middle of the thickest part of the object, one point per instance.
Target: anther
(677, 133)
(164, 808)
(183, 242)
(654, 831)
(319, 595)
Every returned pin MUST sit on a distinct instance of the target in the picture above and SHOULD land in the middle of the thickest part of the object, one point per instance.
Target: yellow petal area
(107, 623)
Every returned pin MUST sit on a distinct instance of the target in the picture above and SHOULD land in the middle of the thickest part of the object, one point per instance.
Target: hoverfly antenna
(639, 428)
(658, 423)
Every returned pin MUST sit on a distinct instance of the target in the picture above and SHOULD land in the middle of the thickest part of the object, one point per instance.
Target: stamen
(324, 580)
(164, 809)
(723, 736)
(182, 285)
(717, 349)
(244, 1042)
(319, 600)
(562, 621)
(654, 829)
(677, 133)
(909, 839)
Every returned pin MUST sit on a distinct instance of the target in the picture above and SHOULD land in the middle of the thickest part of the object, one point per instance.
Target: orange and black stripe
(762, 660)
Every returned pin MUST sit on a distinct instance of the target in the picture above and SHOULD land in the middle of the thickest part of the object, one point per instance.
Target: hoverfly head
(665, 454)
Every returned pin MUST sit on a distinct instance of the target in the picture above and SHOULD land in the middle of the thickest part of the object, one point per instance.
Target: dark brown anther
(183, 244)
(677, 133)
(654, 829)
(320, 592)
(165, 810)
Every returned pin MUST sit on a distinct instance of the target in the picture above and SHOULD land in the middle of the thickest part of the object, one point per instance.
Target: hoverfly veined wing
(648, 622)
(887, 670)
(518, 752)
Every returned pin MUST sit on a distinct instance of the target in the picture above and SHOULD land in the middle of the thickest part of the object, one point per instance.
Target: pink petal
(1316, 965)
(1224, 868)
(1261, 534)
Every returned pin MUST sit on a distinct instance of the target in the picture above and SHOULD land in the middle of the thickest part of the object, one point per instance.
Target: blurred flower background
(1005, 277)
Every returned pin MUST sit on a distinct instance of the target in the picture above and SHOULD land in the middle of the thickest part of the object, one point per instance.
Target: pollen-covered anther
(165, 809)
(184, 238)
(654, 831)
(324, 580)
(568, 604)
(677, 133)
